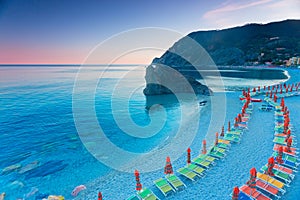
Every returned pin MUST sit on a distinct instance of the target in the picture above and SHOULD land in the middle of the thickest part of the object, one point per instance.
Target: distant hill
(246, 45)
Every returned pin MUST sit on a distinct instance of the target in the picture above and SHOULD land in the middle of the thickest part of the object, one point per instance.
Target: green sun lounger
(279, 140)
(222, 145)
(195, 168)
(204, 160)
(147, 194)
(163, 186)
(281, 175)
(133, 197)
(187, 173)
(175, 182)
(216, 154)
(219, 149)
(235, 132)
(231, 138)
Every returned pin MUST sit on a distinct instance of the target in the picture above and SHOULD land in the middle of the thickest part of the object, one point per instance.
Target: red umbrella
(268, 87)
(289, 144)
(235, 194)
(271, 164)
(258, 88)
(188, 155)
(137, 178)
(264, 87)
(168, 167)
(204, 147)
(252, 181)
(279, 155)
(236, 122)
(222, 132)
(271, 94)
(99, 196)
(254, 90)
(282, 102)
(229, 126)
(217, 139)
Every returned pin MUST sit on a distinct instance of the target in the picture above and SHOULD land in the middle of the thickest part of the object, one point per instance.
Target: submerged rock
(11, 168)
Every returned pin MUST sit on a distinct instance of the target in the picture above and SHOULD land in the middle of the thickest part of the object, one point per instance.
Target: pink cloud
(233, 7)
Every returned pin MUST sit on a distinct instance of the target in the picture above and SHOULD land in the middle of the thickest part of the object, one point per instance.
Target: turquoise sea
(41, 145)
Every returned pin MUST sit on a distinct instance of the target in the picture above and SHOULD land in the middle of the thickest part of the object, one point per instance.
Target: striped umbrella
(99, 196)
(217, 139)
(235, 194)
(252, 181)
(289, 144)
(271, 164)
(279, 155)
(137, 178)
(222, 132)
(188, 155)
(168, 167)
(204, 147)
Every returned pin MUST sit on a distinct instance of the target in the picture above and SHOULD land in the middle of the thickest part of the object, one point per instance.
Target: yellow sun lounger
(268, 179)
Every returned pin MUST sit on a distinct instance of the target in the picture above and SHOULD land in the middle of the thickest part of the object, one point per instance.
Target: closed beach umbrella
(222, 132)
(204, 147)
(235, 194)
(271, 164)
(99, 196)
(289, 144)
(228, 126)
(137, 178)
(188, 155)
(217, 139)
(271, 94)
(168, 167)
(254, 90)
(258, 88)
(264, 87)
(252, 181)
(282, 102)
(279, 155)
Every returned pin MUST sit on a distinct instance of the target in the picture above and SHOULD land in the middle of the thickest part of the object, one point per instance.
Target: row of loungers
(171, 183)
(268, 187)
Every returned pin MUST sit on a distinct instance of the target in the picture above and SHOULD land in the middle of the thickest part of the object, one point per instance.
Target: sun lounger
(207, 158)
(255, 194)
(243, 196)
(175, 182)
(195, 168)
(133, 197)
(268, 179)
(231, 138)
(284, 169)
(219, 149)
(267, 188)
(222, 145)
(188, 173)
(163, 186)
(202, 162)
(279, 140)
(279, 174)
(147, 194)
(216, 154)
(224, 141)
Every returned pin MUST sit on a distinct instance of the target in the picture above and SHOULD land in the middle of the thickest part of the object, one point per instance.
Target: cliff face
(161, 79)
(246, 45)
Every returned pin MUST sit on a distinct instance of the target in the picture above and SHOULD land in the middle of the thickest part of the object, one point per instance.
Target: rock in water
(161, 79)
(11, 168)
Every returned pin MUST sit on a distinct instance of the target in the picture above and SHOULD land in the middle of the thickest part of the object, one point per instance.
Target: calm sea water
(40, 142)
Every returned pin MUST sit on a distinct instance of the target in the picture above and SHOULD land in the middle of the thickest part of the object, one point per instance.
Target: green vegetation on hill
(247, 45)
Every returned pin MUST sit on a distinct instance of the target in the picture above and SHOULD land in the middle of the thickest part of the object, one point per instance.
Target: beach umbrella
(99, 196)
(252, 181)
(289, 144)
(168, 167)
(264, 87)
(258, 88)
(273, 87)
(271, 94)
(267, 94)
(291, 89)
(189, 156)
(286, 90)
(217, 139)
(236, 122)
(222, 132)
(282, 102)
(268, 87)
(137, 178)
(275, 98)
(240, 117)
(204, 147)
(248, 90)
(235, 194)
(254, 90)
(279, 155)
(271, 164)
(228, 126)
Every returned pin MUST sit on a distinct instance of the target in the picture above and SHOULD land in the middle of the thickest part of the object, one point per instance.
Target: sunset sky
(64, 32)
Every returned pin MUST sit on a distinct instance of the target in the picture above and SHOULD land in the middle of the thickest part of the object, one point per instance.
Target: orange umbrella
(188, 155)
(204, 147)
(137, 178)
